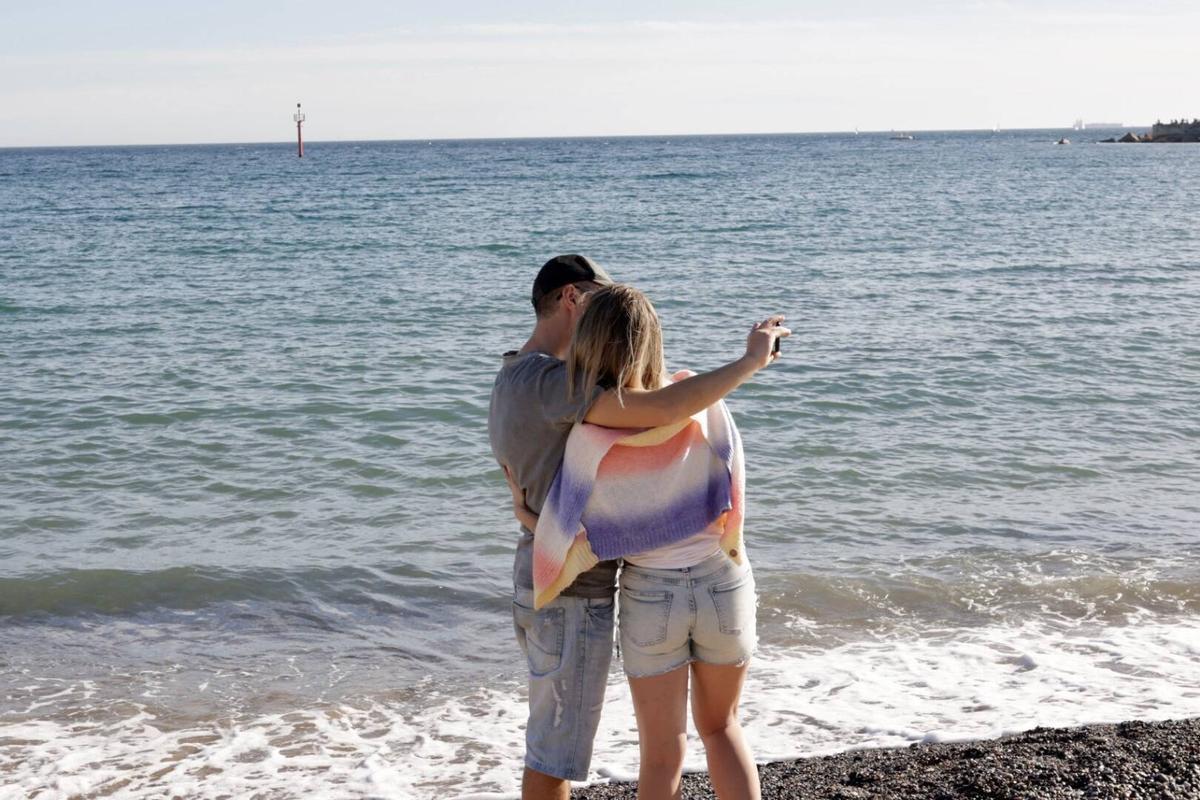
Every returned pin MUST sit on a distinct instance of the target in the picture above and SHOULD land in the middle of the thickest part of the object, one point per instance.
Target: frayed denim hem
(741, 662)
(683, 663)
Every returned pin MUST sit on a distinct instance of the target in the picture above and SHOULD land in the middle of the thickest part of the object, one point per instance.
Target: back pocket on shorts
(645, 616)
(735, 602)
(541, 634)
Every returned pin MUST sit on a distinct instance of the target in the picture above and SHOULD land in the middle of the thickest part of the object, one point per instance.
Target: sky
(141, 72)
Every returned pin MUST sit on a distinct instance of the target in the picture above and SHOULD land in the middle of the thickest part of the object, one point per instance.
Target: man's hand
(520, 510)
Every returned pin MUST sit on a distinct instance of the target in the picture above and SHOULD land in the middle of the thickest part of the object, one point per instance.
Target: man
(568, 643)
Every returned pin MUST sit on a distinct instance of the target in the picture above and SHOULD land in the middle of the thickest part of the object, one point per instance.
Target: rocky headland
(1177, 130)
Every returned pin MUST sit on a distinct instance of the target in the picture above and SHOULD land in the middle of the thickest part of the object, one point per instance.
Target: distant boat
(902, 137)
(1063, 140)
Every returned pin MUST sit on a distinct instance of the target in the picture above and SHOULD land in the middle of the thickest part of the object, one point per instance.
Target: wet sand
(1129, 760)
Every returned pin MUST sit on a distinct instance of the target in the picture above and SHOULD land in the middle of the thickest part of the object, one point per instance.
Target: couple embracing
(616, 466)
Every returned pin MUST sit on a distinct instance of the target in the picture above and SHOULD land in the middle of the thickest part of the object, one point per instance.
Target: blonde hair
(617, 342)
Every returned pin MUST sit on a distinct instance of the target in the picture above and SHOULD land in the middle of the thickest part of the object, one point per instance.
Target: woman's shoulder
(682, 374)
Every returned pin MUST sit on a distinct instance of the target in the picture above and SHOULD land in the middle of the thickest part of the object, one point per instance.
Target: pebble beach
(1128, 760)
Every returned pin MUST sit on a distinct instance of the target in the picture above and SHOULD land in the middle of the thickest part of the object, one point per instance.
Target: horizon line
(572, 136)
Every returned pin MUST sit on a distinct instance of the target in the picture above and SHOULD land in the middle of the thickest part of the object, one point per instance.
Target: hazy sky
(135, 71)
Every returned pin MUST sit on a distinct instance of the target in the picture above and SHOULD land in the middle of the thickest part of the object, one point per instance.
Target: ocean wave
(83, 592)
(977, 587)
(112, 591)
(845, 602)
(682, 175)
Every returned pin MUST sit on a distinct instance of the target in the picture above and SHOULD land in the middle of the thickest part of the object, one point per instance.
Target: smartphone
(778, 340)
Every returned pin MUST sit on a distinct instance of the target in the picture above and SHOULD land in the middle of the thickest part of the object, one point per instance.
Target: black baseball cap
(561, 270)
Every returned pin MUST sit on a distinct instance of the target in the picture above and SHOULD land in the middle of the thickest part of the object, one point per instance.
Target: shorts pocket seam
(661, 599)
(538, 622)
(727, 625)
(730, 585)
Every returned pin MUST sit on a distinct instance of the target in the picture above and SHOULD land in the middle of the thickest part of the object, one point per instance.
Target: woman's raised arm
(654, 407)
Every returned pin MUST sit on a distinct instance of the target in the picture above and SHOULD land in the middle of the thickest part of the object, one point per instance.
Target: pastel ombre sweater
(620, 492)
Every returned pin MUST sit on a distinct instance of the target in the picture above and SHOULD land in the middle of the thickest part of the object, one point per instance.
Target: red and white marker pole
(299, 117)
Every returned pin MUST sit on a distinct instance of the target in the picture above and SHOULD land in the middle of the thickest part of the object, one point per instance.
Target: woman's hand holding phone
(762, 345)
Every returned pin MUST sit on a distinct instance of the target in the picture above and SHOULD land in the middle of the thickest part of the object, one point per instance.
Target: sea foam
(940, 686)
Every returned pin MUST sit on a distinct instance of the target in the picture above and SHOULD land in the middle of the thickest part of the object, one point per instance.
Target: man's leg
(540, 786)
(568, 647)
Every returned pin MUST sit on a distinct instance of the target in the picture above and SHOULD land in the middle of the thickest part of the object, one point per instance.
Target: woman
(669, 501)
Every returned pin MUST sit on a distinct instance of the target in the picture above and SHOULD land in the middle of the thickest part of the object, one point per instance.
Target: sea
(254, 544)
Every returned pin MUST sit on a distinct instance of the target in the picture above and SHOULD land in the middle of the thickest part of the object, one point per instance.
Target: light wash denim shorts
(671, 617)
(568, 645)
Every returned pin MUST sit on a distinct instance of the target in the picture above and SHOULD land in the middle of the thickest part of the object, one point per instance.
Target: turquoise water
(249, 521)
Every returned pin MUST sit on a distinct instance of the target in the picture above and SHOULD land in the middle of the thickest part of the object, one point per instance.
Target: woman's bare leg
(660, 704)
(715, 694)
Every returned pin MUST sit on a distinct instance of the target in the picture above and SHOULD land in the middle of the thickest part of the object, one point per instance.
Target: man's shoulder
(519, 405)
(522, 383)
(521, 367)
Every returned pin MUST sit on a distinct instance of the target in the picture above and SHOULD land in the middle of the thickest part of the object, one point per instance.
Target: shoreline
(1151, 760)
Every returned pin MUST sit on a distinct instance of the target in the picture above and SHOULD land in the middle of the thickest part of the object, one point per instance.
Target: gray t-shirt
(528, 423)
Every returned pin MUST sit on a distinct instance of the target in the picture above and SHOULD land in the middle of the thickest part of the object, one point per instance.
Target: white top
(685, 553)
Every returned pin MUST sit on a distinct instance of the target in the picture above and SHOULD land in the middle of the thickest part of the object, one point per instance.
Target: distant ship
(902, 137)
(1080, 125)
